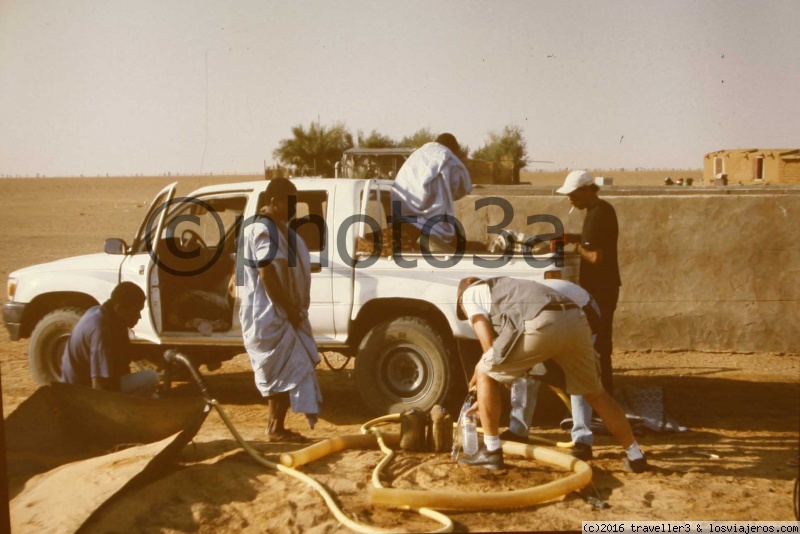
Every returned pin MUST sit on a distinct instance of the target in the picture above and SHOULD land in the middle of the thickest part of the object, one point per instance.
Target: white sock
(634, 452)
(492, 442)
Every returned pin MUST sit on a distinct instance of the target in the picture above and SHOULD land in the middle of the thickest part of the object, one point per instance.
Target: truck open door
(140, 264)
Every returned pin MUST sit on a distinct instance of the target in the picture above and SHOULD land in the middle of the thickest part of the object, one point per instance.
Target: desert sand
(741, 408)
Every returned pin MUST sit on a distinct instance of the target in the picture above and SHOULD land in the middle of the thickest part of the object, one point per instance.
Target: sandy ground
(743, 408)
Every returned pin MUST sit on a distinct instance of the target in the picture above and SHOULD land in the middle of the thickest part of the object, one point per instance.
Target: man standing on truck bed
(274, 313)
(599, 269)
(427, 185)
(98, 353)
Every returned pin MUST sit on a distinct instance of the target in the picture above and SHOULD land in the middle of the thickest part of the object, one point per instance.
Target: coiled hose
(172, 356)
(502, 500)
(449, 500)
(421, 501)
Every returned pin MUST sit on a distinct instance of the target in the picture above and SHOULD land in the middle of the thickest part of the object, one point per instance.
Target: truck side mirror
(114, 245)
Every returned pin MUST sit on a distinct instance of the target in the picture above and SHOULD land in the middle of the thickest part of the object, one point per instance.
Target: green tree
(425, 135)
(314, 150)
(418, 138)
(375, 140)
(507, 145)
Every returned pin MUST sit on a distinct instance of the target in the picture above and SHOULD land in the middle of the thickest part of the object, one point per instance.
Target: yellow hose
(330, 446)
(581, 476)
(332, 506)
(566, 400)
(503, 500)
(422, 501)
(563, 396)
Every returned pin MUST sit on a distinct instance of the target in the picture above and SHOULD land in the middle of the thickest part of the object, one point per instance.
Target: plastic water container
(519, 393)
(469, 435)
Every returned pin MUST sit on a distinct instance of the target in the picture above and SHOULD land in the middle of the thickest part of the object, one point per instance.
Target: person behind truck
(527, 388)
(99, 352)
(599, 267)
(519, 324)
(427, 185)
(274, 314)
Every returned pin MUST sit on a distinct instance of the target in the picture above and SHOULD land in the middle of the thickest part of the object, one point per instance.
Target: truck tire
(403, 363)
(48, 339)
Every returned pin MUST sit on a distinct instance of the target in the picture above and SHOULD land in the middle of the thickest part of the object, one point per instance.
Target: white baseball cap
(575, 180)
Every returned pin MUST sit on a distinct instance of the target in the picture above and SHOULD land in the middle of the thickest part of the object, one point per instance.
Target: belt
(560, 306)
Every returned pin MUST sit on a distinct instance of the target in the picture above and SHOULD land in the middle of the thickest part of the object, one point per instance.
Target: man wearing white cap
(599, 270)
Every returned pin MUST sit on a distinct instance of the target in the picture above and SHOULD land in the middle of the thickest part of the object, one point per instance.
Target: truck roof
(379, 151)
(302, 183)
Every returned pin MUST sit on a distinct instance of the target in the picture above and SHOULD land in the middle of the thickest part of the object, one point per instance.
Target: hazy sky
(156, 86)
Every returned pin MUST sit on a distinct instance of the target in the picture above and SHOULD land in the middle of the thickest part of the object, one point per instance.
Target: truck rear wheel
(403, 363)
(48, 340)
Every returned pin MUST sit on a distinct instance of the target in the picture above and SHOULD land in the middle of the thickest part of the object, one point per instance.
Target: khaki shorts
(563, 336)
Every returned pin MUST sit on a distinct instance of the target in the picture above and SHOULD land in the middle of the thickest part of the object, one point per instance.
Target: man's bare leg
(278, 407)
(612, 415)
(488, 403)
(490, 456)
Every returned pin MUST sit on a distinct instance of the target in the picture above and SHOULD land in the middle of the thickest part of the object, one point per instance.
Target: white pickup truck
(394, 312)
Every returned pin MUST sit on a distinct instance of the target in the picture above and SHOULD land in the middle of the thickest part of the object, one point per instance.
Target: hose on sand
(423, 502)
(329, 445)
(581, 473)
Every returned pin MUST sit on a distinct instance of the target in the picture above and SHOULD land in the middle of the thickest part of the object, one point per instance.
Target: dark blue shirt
(600, 231)
(98, 347)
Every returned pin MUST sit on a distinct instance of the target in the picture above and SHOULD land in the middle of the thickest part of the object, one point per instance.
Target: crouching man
(98, 353)
(520, 323)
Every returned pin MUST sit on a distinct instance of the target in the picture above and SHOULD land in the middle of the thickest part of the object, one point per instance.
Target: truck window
(310, 221)
(379, 208)
(214, 219)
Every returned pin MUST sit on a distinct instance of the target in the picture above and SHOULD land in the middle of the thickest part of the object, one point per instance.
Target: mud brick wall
(711, 269)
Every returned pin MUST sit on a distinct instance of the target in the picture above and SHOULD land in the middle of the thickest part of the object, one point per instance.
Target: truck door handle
(141, 269)
(316, 267)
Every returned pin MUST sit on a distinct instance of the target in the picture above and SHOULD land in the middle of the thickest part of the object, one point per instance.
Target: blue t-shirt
(98, 347)
(600, 231)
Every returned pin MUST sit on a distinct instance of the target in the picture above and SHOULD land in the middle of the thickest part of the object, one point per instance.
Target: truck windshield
(213, 219)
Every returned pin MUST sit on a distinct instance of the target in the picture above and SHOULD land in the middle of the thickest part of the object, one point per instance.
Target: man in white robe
(427, 186)
(274, 313)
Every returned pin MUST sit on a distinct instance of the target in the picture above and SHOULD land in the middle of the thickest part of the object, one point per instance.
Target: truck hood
(89, 262)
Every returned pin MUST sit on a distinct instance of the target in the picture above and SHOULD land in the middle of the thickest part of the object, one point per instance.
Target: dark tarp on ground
(72, 435)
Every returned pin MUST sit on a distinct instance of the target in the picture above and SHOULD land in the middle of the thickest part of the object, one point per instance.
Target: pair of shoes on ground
(285, 436)
(483, 458)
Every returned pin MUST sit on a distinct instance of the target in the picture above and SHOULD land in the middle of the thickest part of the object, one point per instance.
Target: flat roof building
(753, 165)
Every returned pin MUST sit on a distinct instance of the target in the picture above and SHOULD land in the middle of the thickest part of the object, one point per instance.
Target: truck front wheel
(403, 363)
(48, 340)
